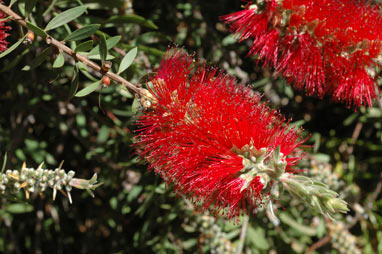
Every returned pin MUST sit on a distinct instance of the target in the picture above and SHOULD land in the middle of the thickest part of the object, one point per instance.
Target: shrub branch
(77, 57)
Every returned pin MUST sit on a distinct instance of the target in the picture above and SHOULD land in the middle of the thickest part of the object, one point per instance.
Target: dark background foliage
(134, 212)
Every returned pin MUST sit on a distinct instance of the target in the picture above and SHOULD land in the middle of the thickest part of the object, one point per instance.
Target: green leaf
(85, 46)
(4, 163)
(16, 60)
(135, 19)
(13, 47)
(103, 134)
(124, 92)
(89, 89)
(29, 5)
(12, 2)
(52, 4)
(111, 42)
(5, 19)
(74, 83)
(82, 33)
(103, 48)
(98, 57)
(151, 51)
(19, 208)
(38, 60)
(59, 62)
(65, 17)
(301, 228)
(38, 31)
(135, 106)
(257, 237)
(127, 60)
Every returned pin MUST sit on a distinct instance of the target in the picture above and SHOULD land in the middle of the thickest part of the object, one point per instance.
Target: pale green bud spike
(315, 193)
(54, 192)
(39, 180)
(40, 166)
(69, 197)
(61, 164)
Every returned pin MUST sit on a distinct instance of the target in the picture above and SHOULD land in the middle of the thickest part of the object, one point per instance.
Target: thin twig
(369, 204)
(243, 234)
(356, 133)
(50, 40)
(324, 241)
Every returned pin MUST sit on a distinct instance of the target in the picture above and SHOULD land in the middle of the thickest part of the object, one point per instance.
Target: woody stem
(77, 57)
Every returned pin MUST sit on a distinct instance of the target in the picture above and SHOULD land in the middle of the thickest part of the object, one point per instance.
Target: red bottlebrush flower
(214, 140)
(3, 34)
(327, 46)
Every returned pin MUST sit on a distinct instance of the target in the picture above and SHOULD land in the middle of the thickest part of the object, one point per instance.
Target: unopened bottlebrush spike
(327, 47)
(39, 180)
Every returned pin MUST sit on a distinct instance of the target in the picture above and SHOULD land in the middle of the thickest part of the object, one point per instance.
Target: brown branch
(324, 241)
(77, 57)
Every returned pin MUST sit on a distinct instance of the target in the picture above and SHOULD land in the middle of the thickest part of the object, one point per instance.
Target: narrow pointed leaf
(85, 46)
(29, 5)
(4, 163)
(38, 31)
(65, 17)
(135, 106)
(89, 89)
(19, 208)
(74, 83)
(111, 42)
(103, 48)
(52, 4)
(59, 62)
(38, 60)
(12, 2)
(135, 19)
(98, 57)
(13, 47)
(128, 60)
(82, 33)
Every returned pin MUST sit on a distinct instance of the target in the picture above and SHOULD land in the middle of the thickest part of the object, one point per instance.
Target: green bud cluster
(270, 166)
(214, 236)
(32, 180)
(342, 240)
(314, 193)
(323, 172)
(211, 234)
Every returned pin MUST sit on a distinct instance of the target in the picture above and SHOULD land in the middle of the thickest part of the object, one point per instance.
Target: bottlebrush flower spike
(214, 140)
(328, 46)
(3, 34)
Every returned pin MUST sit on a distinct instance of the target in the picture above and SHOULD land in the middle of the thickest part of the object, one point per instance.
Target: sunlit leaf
(82, 33)
(85, 46)
(38, 31)
(111, 42)
(65, 17)
(19, 208)
(89, 89)
(13, 47)
(59, 62)
(128, 60)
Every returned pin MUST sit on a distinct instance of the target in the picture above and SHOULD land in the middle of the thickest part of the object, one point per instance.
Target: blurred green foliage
(134, 212)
